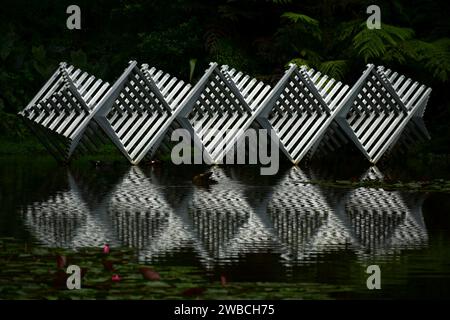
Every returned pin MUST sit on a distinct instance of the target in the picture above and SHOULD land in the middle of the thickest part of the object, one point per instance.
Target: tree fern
(298, 17)
(374, 43)
(347, 30)
(334, 68)
(310, 25)
(435, 57)
(438, 57)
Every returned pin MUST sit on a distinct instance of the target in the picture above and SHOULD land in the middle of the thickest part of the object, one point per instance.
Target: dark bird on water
(203, 179)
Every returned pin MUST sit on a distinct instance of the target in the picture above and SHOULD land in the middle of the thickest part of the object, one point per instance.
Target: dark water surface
(249, 227)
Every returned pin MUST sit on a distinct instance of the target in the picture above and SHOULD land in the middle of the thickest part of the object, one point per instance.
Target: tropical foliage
(260, 37)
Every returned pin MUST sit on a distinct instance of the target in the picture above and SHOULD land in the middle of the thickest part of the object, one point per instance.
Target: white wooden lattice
(217, 112)
(378, 109)
(139, 109)
(255, 93)
(60, 114)
(300, 108)
(307, 111)
(306, 104)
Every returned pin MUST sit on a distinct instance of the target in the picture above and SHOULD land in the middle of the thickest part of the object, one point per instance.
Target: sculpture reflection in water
(77, 217)
(385, 222)
(163, 217)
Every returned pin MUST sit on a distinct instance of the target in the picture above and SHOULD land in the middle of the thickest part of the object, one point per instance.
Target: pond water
(251, 228)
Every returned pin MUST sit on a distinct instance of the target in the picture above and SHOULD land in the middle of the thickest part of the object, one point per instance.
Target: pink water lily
(61, 261)
(223, 280)
(150, 274)
(115, 278)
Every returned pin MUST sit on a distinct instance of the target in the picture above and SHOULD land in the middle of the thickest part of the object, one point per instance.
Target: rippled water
(253, 228)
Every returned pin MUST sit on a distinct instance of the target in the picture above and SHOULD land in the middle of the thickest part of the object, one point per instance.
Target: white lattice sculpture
(300, 108)
(380, 105)
(217, 113)
(255, 93)
(60, 114)
(308, 112)
(139, 109)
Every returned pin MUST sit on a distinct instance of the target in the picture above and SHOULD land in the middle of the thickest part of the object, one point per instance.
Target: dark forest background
(259, 37)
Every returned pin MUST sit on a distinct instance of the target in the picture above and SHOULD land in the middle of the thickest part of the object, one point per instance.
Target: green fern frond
(298, 17)
(403, 52)
(310, 25)
(435, 56)
(394, 34)
(334, 68)
(213, 35)
(347, 30)
(299, 62)
(373, 43)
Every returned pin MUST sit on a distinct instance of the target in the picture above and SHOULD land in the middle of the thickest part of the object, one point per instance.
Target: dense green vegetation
(257, 36)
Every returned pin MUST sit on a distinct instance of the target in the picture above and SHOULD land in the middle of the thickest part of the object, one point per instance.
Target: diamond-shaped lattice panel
(60, 114)
(136, 115)
(304, 105)
(217, 113)
(379, 108)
